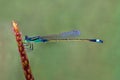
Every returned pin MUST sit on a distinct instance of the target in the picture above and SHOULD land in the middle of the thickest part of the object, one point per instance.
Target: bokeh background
(62, 60)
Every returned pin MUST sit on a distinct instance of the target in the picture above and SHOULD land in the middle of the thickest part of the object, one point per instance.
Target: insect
(65, 36)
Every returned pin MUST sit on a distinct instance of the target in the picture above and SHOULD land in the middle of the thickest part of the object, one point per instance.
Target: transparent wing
(64, 35)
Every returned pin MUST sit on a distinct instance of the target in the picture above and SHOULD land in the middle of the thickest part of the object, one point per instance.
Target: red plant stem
(23, 55)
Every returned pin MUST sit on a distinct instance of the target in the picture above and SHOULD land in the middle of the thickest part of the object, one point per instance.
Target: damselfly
(65, 36)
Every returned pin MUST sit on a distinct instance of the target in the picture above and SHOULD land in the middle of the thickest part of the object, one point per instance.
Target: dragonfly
(65, 36)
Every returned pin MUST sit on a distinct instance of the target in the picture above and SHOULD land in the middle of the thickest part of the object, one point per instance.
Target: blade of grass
(23, 55)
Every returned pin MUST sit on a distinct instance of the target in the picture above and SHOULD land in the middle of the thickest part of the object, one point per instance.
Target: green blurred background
(62, 60)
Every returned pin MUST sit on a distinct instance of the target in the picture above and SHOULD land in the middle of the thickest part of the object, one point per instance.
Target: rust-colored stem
(23, 55)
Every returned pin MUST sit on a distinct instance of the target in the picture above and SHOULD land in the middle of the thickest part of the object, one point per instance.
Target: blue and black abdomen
(96, 40)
